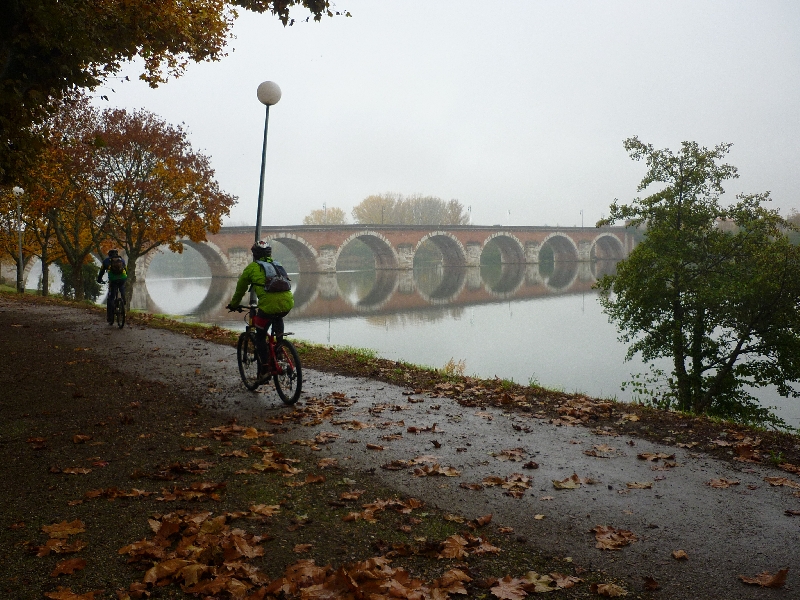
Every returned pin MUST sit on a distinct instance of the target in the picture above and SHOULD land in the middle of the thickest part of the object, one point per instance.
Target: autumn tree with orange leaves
(62, 180)
(50, 48)
(156, 188)
(11, 221)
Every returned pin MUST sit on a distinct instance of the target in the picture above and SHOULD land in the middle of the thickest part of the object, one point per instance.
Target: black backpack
(277, 279)
(117, 266)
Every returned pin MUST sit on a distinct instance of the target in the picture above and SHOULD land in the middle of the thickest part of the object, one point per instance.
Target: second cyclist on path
(117, 276)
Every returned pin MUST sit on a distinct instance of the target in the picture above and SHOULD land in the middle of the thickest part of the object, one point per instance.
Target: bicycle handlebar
(239, 309)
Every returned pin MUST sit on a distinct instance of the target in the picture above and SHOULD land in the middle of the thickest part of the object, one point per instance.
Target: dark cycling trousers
(262, 323)
(113, 286)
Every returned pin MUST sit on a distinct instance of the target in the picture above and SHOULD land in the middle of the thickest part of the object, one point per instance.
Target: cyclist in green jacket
(272, 305)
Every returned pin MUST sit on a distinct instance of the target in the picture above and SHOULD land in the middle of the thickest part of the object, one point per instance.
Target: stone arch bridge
(317, 247)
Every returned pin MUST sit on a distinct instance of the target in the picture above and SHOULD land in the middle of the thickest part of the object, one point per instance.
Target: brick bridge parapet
(317, 247)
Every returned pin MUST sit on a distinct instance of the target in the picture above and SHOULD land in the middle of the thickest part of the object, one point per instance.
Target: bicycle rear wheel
(249, 363)
(119, 311)
(289, 379)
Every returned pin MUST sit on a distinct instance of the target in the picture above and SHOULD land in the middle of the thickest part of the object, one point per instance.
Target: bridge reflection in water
(381, 292)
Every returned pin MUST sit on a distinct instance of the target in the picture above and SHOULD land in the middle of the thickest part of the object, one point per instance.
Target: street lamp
(268, 94)
(18, 191)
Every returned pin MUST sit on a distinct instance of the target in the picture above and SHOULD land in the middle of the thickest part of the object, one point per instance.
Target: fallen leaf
(64, 529)
(639, 485)
(76, 471)
(301, 548)
(453, 547)
(767, 579)
(777, 481)
(722, 483)
(609, 538)
(650, 584)
(266, 510)
(608, 589)
(509, 588)
(538, 584)
(680, 555)
(565, 581)
(68, 567)
(655, 456)
(572, 482)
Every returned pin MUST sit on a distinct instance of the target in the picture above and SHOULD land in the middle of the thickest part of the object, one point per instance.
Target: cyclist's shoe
(265, 370)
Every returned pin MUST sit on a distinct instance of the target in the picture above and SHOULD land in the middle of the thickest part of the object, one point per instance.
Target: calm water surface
(513, 324)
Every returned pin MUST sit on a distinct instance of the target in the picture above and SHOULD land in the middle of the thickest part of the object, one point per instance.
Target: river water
(513, 323)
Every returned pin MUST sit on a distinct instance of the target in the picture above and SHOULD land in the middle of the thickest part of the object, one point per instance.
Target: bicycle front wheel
(119, 312)
(247, 357)
(289, 379)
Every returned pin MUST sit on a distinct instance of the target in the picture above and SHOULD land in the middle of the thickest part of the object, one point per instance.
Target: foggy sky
(518, 108)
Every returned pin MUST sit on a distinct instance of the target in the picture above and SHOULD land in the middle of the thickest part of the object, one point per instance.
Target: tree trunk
(45, 271)
(45, 278)
(77, 281)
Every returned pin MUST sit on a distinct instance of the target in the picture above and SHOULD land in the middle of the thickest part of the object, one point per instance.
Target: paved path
(743, 529)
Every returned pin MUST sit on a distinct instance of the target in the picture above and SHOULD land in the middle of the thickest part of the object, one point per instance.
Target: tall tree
(12, 223)
(326, 216)
(719, 302)
(396, 209)
(66, 179)
(50, 47)
(158, 190)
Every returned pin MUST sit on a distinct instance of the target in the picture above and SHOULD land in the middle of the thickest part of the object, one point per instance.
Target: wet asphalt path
(726, 532)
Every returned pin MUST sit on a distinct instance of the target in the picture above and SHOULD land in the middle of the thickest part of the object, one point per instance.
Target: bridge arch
(453, 252)
(218, 262)
(512, 250)
(382, 249)
(607, 246)
(304, 252)
(563, 247)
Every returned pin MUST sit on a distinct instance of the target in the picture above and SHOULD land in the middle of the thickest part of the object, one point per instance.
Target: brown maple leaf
(722, 483)
(68, 567)
(609, 538)
(64, 529)
(565, 581)
(509, 588)
(453, 547)
(777, 481)
(767, 579)
(609, 590)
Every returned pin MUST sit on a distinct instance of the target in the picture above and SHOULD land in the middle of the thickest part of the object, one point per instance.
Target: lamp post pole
(268, 93)
(18, 191)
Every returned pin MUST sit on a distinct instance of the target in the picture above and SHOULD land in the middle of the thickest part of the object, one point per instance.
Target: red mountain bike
(283, 365)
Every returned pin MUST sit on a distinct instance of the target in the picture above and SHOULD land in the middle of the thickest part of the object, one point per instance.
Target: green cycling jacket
(270, 302)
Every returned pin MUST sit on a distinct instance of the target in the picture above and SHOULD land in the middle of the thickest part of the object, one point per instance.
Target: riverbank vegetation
(713, 288)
